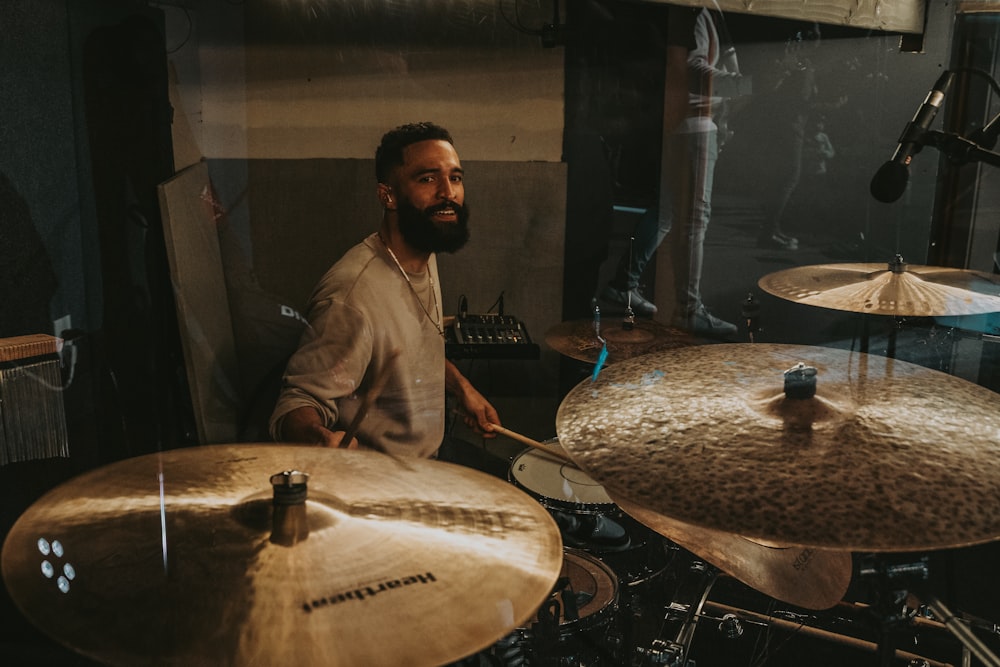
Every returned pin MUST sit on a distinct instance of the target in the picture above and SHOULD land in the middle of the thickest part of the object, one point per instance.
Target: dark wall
(84, 139)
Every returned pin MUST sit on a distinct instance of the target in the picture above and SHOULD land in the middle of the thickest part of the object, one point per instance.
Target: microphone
(890, 180)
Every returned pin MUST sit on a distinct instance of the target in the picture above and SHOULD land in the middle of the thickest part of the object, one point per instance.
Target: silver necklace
(430, 277)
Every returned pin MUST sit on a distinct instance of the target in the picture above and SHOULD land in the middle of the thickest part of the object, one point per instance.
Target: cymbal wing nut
(800, 381)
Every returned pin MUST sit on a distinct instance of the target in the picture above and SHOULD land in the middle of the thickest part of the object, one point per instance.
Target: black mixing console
(489, 336)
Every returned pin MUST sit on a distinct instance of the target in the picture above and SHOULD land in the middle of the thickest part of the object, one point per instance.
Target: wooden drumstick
(558, 452)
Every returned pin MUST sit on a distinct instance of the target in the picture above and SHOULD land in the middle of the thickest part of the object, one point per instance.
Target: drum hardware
(705, 436)
(750, 313)
(731, 626)
(683, 612)
(628, 323)
(797, 623)
(901, 597)
(289, 523)
(800, 381)
(180, 558)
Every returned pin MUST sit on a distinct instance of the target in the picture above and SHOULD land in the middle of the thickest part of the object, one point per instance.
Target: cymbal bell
(577, 339)
(803, 576)
(896, 288)
(177, 559)
(884, 456)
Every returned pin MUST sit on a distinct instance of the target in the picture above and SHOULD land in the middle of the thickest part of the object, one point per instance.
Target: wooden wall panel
(888, 15)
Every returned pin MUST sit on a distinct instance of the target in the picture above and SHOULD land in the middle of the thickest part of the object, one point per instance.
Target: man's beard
(421, 232)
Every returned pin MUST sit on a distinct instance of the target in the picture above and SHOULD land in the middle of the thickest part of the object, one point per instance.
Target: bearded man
(370, 370)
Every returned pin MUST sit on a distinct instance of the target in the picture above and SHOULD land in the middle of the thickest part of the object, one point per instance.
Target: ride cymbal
(886, 456)
(179, 559)
(578, 340)
(896, 289)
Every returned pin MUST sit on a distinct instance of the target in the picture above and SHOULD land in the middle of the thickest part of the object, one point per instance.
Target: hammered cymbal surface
(887, 456)
(803, 576)
(577, 339)
(917, 291)
(166, 559)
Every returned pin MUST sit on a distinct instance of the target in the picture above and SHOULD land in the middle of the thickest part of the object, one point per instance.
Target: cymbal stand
(672, 652)
(962, 632)
(890, 609)
(893, 612)
(750, 311)
(628, 322)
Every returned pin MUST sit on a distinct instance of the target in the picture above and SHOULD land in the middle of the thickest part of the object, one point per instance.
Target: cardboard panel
(202, 303)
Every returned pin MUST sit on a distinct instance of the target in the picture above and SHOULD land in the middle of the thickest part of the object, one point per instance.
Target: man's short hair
(389, 153)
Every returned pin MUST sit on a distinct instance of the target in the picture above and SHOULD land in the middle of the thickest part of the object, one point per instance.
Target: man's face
(430, 197)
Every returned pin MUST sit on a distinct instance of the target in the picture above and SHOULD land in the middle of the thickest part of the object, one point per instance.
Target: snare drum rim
(557, 504)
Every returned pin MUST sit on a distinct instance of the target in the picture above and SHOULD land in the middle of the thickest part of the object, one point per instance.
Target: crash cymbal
(577, 339)
(895, 289)
(885, 456)
(178, 559)
(803, 576)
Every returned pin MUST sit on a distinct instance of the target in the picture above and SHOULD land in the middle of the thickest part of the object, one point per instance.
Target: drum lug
(660, 652)
(731, 626)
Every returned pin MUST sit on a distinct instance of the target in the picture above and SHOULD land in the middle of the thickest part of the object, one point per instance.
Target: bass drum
(588, 519)
(575, 626)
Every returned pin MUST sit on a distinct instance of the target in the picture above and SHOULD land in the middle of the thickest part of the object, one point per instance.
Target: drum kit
(681, 464)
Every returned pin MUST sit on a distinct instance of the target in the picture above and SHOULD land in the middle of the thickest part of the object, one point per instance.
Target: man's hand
(477, 413)
(304, 425)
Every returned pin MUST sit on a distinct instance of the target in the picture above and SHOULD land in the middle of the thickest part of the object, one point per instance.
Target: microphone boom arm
(960, 150)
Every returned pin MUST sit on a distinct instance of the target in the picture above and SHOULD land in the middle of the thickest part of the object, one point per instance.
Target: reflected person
(698, 79)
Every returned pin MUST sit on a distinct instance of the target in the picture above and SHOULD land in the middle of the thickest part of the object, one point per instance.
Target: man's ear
(385, 196)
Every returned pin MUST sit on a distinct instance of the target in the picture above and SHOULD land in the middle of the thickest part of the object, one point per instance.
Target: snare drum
(558, 485)
(588, 518)
(585, 514)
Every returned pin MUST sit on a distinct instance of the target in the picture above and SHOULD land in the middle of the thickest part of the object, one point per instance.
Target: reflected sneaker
(777, 241)
(640, 305)
(704, 323)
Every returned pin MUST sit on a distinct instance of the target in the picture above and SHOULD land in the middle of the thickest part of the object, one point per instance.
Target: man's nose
(447, 191)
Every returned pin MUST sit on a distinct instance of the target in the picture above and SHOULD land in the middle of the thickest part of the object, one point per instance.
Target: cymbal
(170, 559)
(803, 576)
(886, 456)
(576, 339)
(895, 288)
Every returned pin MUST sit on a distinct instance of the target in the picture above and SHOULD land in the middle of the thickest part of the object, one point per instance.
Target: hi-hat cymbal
(803, 576)
(578, 340)
(895, 289)
(170, 559)
(886, 456)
